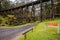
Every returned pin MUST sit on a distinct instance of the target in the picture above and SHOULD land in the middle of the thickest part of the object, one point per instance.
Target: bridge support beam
(40, 10)
(33, 12)
(26, 13)
(52, 9)
(22, 15)
(4, 14)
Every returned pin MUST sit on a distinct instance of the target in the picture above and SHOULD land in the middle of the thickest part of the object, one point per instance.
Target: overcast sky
(23, 0)
(12, 0)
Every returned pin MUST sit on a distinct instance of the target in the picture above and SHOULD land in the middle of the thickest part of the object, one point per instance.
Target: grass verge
(39, 33)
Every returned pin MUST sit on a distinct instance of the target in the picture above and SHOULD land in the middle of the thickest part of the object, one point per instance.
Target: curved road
(11, 33)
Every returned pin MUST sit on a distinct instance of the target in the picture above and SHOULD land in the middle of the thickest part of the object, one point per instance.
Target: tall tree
(4, 4)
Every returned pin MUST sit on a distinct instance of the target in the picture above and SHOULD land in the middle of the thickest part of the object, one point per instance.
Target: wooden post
(26, 12)
(46, 10)
(25, 33)
(33, 12)
(25, 36)
(21, 12)
(20, 16)
(10, 11)
(41, 10)
(52, 9)
(32, 29)
(4, 13)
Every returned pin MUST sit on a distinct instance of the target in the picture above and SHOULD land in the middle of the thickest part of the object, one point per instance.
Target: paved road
(10, 33)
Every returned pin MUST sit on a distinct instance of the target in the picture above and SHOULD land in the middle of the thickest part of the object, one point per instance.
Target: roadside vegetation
(39, 33)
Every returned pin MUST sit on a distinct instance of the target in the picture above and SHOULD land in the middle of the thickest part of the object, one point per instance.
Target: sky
(14, 0)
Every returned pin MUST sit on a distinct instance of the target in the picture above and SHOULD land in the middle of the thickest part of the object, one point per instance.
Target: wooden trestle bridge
(9, 34)
(23, 15)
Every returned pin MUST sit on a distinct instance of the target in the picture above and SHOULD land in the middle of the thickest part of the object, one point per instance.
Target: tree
(4, 4)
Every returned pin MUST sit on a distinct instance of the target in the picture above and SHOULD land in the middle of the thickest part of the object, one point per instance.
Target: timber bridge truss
(23, 15)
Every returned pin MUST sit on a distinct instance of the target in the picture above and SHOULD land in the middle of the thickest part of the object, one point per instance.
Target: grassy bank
(39, 33)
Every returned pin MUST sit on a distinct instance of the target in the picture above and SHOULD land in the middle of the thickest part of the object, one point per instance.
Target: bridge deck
(22, 6)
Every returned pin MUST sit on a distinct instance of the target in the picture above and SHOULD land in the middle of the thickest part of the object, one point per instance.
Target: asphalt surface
(10, 33)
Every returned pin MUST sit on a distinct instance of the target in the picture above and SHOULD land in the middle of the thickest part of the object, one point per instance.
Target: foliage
(4, 4)
(20, 18)
(2, 20)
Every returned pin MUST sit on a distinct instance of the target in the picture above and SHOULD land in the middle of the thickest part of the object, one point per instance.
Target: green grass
(39, 33)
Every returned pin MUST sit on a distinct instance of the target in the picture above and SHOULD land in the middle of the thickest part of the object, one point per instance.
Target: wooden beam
(25, 33)
(52, 9)
(22, 6)
(41, 10)
(22, 15)
(33, 12)
(26, 10)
